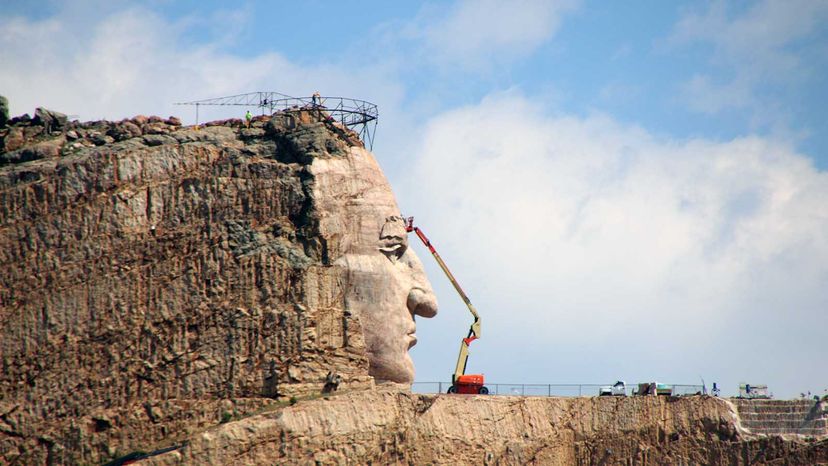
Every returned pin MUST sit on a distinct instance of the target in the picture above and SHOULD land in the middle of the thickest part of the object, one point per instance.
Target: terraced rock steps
(784, 417)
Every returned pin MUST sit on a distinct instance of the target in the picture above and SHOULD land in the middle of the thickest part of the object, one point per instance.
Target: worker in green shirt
(248, 117)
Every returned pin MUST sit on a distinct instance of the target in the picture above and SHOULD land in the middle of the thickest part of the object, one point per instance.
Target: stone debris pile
(51, 134)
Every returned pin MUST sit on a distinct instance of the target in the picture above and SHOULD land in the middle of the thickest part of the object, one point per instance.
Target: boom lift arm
(461, 383)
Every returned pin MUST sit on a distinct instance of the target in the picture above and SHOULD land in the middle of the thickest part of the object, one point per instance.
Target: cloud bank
(479, 33)
(134, 61)
(768, 44)
(642, 256)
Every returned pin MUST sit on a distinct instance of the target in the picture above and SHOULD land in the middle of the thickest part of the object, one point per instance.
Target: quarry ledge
(388, 426)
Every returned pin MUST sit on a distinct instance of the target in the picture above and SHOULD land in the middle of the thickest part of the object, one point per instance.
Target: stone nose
(422, 302)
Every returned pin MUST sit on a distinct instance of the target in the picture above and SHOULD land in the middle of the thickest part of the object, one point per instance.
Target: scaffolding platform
(357, 115)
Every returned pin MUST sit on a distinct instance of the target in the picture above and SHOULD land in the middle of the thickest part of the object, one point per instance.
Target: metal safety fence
(358, 115)
(582, 389)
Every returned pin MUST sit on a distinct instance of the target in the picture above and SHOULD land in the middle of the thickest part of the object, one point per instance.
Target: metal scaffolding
(357, 115)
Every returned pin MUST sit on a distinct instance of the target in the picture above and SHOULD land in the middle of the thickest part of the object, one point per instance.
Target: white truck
(617, 389)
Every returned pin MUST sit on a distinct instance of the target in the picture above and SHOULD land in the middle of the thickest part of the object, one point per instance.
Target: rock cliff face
(401, 428)
(168, 286)
(145, 266)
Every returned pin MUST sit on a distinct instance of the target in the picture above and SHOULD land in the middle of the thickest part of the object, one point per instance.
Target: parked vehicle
(617, 389)
(654, 388)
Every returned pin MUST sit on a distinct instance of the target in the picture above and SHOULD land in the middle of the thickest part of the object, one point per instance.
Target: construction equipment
(654, 388)
(753, 391)
(617, 389)
(460, 381)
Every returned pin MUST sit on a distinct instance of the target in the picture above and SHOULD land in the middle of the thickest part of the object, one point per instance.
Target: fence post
(439, 387)
(579, 389)
(549, 390)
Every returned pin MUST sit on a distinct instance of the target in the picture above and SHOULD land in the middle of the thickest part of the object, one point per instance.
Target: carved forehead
(357, 203)
(393, 226)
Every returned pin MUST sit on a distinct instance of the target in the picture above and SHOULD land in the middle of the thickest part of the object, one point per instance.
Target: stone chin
(396, 370)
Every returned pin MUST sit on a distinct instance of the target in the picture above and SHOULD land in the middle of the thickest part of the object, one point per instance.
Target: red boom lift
(460, 381)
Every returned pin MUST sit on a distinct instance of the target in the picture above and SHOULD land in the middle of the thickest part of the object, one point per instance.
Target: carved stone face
(386, 286)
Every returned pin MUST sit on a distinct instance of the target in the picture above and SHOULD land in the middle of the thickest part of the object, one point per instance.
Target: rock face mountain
(145, 266)
(201, 288)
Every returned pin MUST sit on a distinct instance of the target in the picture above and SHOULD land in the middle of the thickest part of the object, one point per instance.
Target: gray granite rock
(4, 111)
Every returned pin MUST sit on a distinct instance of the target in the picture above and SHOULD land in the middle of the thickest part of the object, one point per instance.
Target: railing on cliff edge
(525, 389)
(357, 115)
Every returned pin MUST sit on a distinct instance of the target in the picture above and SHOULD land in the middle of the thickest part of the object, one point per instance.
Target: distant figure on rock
(4, 111)
(49, 119)
(316, 99)
(332, 381)
(247, 118)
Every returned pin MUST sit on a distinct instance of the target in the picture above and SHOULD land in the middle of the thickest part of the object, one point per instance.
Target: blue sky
(605, 177)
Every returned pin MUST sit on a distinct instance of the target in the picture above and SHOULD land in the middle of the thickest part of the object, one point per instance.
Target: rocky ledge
(385, 427)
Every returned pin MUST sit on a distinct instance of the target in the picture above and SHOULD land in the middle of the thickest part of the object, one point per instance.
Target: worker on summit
(247, 118)
(316, 99)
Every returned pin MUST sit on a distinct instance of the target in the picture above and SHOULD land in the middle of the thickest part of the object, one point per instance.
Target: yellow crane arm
(474, 329)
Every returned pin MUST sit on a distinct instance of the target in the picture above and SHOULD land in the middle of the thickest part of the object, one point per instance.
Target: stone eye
(393, 247)
(393, 238)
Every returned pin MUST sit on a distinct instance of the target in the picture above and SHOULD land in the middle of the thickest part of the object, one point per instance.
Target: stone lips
(144, 266)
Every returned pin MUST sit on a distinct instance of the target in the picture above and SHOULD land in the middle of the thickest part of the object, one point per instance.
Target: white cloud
(620, 92)
(479, 33)
(705, 96)
(761, 36)
(134, 61)
(656, 257)
(762, 45)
